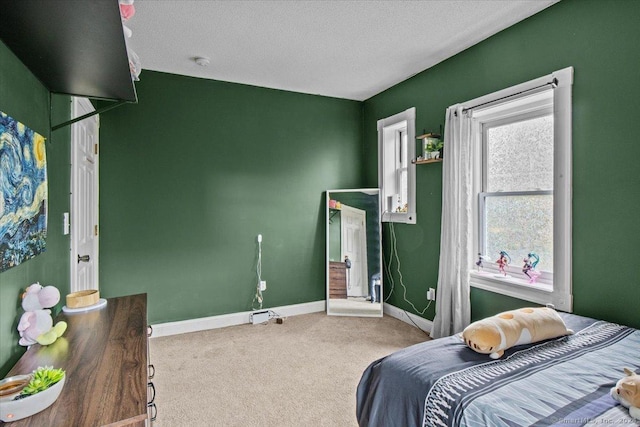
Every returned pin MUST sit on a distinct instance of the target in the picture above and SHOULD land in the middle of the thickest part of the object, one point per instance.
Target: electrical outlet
(263, 285)
(431, 294)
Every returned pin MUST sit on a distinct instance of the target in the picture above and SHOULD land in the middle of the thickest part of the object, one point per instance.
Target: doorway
(84, 197)
(354, 246)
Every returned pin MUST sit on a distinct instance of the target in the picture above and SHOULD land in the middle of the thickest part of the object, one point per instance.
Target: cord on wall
(393, 253)
(257, 299)
(274, 315)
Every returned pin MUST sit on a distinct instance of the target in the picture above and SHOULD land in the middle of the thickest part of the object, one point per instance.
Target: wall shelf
(332, 213)
(428, 135)
(424, 162)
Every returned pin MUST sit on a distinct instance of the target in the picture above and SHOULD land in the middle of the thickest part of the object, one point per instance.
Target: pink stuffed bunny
(36, 320)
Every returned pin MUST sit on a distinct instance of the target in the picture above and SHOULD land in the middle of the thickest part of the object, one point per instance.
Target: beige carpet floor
(303, 372)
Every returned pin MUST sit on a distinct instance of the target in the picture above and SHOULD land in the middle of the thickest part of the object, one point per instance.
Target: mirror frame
(368, 312)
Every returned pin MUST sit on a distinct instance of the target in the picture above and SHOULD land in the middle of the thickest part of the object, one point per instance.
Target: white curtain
(453, 308)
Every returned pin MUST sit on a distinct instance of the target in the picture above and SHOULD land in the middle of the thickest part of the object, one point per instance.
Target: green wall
(25, 99)
(600, 40)
(196, 170)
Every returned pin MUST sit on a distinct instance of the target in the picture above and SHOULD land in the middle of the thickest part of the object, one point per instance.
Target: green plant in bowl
(42, 379)
(43, 390)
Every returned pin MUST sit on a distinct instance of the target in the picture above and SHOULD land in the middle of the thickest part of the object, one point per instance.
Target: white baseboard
(405, 316)
(232, 319)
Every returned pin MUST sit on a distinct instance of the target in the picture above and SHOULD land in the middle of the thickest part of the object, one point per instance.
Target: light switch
(65, 223)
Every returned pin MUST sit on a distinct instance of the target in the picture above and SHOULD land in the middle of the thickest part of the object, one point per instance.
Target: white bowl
(14, 410)
(12, 386)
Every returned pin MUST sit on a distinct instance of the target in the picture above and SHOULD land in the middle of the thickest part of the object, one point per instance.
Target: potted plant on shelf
(433, 148)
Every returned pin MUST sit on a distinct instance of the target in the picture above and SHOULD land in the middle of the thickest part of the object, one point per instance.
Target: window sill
(495, 277)
(399, 217)
(540, 293)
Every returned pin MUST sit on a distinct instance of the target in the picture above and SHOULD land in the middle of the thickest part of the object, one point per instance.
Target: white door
(84, 197)
(354, 245)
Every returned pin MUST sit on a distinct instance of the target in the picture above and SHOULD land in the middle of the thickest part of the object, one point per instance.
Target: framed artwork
(23, 193)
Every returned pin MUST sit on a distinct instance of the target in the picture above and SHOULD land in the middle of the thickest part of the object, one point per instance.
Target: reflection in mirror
(354, 267)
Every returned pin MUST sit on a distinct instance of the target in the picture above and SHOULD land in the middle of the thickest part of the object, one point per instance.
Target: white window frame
(556, 289)
(388, 132)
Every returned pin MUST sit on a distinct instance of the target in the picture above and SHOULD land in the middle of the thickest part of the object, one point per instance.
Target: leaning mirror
(354, 267)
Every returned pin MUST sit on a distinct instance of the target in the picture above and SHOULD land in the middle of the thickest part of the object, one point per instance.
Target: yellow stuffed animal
(627, 392)
(495, 334)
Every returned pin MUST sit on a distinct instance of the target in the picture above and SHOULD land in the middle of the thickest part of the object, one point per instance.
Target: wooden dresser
(105, 355)
(337, 279)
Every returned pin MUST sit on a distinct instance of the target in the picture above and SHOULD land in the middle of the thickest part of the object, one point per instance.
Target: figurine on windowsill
(403, 209)
(503, 262)
(481, 259)
(529, 268)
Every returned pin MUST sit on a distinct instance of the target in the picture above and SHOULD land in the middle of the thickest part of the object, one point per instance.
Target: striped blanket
(565, 381)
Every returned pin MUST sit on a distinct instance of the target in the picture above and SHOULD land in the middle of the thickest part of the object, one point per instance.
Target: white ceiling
(345, 49)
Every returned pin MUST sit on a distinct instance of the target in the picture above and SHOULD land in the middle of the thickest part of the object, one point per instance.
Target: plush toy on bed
(627, 392)
(496, 334)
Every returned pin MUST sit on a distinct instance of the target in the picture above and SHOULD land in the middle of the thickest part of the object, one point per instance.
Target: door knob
(83, 258)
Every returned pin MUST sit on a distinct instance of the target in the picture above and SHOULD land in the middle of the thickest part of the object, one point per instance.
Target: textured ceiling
(344, 49)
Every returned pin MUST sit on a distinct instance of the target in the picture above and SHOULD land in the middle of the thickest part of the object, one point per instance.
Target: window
(523, 186)
(396, 172)
(516, 202)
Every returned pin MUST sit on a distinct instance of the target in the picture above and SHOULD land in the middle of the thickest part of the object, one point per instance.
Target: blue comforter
(564, 381)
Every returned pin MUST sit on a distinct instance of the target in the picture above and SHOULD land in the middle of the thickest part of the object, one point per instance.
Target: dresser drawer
(337, 280)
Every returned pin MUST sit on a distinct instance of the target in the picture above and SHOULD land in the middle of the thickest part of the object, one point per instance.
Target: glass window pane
(519, 225)
(520, 156)
(404, 189)
(404, 150)
(402, 173)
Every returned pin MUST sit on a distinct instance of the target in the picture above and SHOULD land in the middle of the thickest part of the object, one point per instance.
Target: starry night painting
(23, 193)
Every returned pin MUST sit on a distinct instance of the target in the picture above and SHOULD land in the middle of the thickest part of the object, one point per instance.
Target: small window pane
(519, 225)
(520, 156)
(402, 172)
(404, 190)
(404, 150)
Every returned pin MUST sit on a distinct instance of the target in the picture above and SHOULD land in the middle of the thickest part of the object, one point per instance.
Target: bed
(558, 382)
